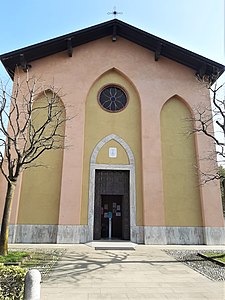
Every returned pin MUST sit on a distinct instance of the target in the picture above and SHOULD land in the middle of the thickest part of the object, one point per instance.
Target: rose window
(112, 99)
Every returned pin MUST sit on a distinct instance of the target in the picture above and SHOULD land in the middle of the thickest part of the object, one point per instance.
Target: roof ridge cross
(115, 12)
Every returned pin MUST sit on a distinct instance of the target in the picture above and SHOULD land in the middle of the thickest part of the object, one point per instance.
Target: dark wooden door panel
(110, 184)
(111, 204)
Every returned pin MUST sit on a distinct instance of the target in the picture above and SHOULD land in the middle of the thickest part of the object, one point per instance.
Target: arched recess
(124, 126)
(106, 140)
(41, 186)
(179, 160)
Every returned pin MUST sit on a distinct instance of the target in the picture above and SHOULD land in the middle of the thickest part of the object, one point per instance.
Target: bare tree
(28, 128)
(210, 121)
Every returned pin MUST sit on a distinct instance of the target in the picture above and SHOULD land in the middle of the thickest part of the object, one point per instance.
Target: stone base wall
(37, 234)
(215, 235)
(75, 234)
(184, 235)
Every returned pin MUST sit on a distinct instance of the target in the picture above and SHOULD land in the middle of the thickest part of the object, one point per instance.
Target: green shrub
(11, 282)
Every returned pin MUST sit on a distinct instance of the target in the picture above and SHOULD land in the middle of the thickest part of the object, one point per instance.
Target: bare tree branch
(33, 126)
(210, 122)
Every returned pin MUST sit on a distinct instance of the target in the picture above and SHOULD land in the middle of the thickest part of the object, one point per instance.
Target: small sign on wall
(112, 152)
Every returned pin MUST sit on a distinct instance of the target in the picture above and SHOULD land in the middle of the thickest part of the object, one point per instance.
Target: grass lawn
(14, 256)
(214, 256)
(217, 256)
(43, 260)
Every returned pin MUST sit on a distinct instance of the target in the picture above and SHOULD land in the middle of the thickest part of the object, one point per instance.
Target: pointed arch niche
(180, 179)
(121, 130)
(41, 187)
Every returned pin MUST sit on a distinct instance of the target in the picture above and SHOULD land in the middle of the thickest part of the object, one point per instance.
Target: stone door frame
(130, 167)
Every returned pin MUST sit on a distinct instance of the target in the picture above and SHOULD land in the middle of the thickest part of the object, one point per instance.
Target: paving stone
(146, 273)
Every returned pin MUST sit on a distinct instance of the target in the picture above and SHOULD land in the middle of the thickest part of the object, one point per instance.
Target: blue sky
(197, 25)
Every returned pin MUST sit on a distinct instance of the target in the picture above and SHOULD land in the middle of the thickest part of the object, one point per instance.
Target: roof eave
(113, 28)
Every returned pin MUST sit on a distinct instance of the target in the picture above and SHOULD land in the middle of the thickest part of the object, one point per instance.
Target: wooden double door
(112, 201)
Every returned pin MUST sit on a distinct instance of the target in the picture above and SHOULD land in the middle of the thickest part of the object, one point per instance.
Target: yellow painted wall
(41, 186)
(100, 123)
(103, 155)
(180, 180)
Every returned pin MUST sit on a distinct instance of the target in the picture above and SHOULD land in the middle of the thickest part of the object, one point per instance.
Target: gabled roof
(23, 57)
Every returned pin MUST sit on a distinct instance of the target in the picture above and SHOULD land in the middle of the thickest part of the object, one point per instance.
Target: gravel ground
(46, 265)
(45, 261)
(205, 267)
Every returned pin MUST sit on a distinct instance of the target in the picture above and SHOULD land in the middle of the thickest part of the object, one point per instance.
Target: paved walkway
(146, 273)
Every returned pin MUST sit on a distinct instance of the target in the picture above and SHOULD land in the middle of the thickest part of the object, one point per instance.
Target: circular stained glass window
(112, 99)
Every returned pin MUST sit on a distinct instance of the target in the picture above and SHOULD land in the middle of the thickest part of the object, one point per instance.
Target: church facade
(131, 168)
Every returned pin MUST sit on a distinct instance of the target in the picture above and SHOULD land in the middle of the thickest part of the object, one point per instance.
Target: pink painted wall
(155, 82)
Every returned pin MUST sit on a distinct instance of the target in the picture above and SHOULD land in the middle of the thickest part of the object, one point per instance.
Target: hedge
(11, 282)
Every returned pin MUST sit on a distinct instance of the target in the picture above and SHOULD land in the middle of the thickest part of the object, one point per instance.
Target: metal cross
(114, 12)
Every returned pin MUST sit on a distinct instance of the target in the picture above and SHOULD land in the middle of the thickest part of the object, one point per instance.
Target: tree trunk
(223, 196)
(6, 218)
